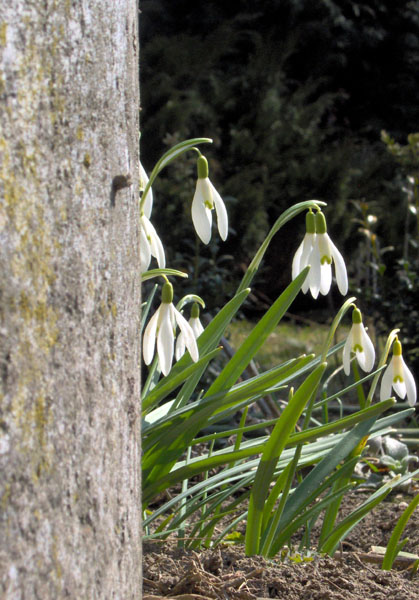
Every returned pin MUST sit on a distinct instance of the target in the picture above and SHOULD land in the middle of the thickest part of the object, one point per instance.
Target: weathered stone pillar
(69, 300)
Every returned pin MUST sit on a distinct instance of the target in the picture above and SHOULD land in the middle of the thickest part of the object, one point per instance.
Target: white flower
(205, 199)
(150, 245)
(303, 255)
(318, 251)
(326, 252)
(161, 327)
(359, 343)
(147, 202)
(398, 377)
(196, 327)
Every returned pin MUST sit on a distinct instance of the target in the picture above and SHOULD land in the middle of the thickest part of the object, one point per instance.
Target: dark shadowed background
(295, 94)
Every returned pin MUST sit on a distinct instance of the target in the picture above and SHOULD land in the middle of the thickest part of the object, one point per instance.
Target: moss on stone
(3, 34)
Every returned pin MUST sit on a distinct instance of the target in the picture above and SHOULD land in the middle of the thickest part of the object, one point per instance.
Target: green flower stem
(167, 158)
(152, 370)
(189, 298)
(162, 273)
(335, 323)
(359, 389)
(286, 216)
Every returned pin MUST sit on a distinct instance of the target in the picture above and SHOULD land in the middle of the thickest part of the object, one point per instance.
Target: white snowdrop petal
(149, 338)
(308, 245)
(201, 215)
(400, 388)
(325, 278)
(148, 201)
(157, 250)
(309, 257)
(222, 217)
(361, 358)
(410, 385)
(386, 382)
(196, 326)
(165, 340)
(180, 346)
(145, 251)
(314, 274)
(346, 358)
(156, 246)
(368, 348)
(340, 269)
(296, 269)
(323, 243)
(189, 337)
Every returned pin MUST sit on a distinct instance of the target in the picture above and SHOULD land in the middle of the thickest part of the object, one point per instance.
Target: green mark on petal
(358, 348)
(398, 378)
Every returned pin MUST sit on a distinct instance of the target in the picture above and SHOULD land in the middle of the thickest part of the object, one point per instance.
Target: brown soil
(353, 574)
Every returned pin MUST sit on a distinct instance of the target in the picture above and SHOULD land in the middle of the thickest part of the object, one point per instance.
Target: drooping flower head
(318, 251)
(359, 343)
(328, 254)
(302, 258)
(205, 199)
(196, 327)
(161, 327)
(398, 377)
(150, 243)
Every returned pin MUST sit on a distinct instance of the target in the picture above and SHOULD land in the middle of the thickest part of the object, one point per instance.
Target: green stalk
(359, 389)
(167, 158)
(286, 216)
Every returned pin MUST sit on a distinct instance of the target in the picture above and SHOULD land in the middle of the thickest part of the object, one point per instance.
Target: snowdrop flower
(327, 252)
(398, 377)
(196, 327)
(161, 327)
(150, 243)
(359, 343)
(318, 251)
(302, 258)
(205, 199)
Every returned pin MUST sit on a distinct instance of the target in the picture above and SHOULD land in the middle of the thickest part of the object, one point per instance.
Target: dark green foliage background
(295, 94)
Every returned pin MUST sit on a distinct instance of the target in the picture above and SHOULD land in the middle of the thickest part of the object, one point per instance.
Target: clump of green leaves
(273, 483)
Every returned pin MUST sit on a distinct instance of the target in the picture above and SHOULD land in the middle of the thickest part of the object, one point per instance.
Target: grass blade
(394, 546)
